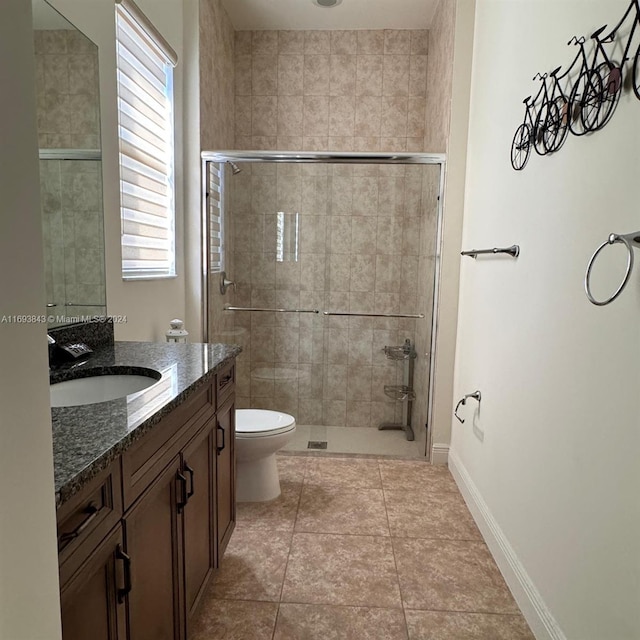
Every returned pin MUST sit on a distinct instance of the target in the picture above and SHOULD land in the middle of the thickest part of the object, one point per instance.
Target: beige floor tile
(278, 514)
(321, 622)
(444, 625)
(346, 570)
(450, 575)
(292, 468)
(235, 620)
(430, 515)
(354, 473)
(253, 566)
(326, 509)
(406, 475)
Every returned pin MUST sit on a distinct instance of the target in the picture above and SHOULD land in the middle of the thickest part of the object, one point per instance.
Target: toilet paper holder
(476, 395)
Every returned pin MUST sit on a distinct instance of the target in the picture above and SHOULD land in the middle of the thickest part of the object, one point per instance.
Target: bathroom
(547, 465)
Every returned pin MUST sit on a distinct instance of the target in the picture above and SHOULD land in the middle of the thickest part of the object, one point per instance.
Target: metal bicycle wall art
(582, 98)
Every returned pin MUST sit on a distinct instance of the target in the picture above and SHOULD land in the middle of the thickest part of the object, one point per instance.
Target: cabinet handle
(126, 565)
(92, 511)
(191, 473)
(185, 497)
(220, 448)
(226, 380)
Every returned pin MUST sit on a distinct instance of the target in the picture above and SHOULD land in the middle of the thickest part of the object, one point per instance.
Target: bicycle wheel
(562, 106)
(636, 74)
(548, 124)
(521, 147)
(576, 101)
(591, 100)
(608, 95)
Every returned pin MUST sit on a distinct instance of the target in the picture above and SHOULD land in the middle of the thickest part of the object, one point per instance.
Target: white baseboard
(439, 453)
(535, 611)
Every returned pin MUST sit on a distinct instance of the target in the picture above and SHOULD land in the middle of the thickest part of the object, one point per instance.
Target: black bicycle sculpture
(584, 106)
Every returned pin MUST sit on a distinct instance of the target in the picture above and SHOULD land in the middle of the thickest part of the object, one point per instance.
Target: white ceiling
(351, 14)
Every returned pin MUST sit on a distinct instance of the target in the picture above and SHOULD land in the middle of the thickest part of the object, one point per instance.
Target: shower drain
(317, 444)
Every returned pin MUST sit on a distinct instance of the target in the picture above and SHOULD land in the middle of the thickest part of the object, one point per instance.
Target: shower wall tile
(361, 229)
(290, 41)
(290, 115)
(317, 42)
(342, 115)
(369, 75)
(397, 41)
(370, 42)
(290, 75)
(342, 75)
(395, 75)
(264, 42)
(242, 42)
(334, 412)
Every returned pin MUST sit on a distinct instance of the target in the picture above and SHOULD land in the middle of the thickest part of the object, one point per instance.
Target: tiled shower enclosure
(356, 238)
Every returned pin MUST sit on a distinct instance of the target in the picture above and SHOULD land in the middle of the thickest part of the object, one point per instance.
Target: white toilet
(259, 434)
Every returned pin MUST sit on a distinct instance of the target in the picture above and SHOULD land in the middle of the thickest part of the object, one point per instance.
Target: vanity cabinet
(173, 512)
(153, 543)
(93, 599)
(226, 473)
(199, 516)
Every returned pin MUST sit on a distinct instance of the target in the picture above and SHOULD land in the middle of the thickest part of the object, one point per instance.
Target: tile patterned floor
(359, 549)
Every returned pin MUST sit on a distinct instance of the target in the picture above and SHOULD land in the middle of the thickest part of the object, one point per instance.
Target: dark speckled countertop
(87, 438)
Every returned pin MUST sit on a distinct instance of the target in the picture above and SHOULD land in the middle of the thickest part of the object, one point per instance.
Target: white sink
(98, 388)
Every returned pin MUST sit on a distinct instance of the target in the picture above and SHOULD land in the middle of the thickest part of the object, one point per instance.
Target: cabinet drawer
(225, 383)
(142, 463)
(87, 518)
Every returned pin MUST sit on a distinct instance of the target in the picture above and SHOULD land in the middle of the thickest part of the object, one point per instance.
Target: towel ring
(614, 238)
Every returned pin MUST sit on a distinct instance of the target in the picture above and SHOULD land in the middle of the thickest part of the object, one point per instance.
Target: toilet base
(258, 480)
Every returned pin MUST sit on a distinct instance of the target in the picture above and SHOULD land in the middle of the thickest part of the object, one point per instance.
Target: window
(215, 199)
(145, 127)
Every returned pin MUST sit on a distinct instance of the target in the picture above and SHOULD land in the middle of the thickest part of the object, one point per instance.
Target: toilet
(259, 434)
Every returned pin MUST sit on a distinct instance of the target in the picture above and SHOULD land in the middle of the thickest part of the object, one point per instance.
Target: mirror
(68, 104)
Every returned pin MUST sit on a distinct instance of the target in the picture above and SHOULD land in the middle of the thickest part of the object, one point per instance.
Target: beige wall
(29, 602)
(446, 130)
(217, 133)
(550, 463)
(149, 304)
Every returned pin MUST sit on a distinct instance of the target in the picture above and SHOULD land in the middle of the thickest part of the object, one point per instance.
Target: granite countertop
(87, 438)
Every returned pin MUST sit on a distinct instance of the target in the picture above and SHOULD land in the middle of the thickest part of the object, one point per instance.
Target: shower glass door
(340, 238)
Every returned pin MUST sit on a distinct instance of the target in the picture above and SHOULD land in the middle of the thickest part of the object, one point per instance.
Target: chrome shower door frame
(326, 157)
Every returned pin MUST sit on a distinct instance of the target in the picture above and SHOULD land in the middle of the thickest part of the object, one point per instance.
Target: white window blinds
(215, 193)
(145, 127)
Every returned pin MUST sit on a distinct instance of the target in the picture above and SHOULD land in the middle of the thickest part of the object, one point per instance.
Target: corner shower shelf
(404, 393)
(403, 352)
(399, 392)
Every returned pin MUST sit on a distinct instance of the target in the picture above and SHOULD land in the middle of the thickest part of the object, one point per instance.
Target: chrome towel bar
(513, 251)
(374, 315)
(271, 310)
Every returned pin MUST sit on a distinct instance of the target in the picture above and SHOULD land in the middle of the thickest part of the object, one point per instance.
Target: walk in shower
(334, 263)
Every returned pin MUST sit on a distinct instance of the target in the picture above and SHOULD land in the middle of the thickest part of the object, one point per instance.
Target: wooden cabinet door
(93, 598)
(226, 473)
(199, 467)
(154, 544)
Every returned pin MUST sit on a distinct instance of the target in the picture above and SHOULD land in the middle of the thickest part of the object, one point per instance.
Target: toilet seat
(262, 423)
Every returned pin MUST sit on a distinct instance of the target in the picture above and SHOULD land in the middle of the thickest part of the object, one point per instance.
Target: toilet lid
(261, 422)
